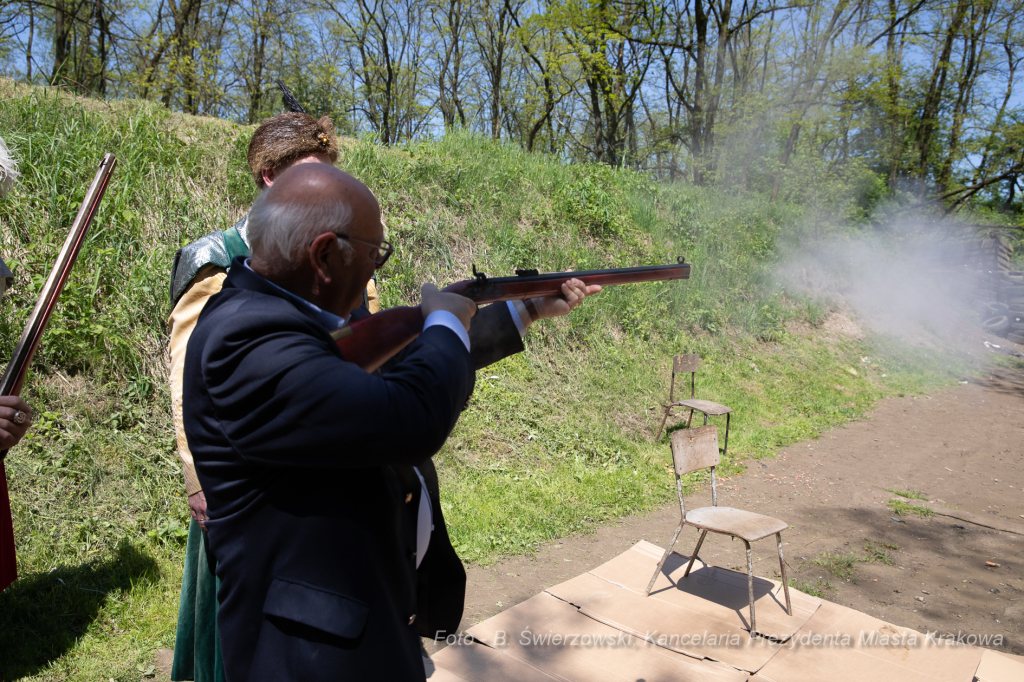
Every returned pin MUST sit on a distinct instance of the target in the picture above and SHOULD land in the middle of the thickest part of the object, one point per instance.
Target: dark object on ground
(996, 325)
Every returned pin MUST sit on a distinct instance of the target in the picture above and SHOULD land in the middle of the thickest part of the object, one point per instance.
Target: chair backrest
(684, 364)
(695, 448)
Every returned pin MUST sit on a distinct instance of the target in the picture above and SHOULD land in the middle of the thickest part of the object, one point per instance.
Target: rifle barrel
(371, 341)
(484, 289)
(17, 368)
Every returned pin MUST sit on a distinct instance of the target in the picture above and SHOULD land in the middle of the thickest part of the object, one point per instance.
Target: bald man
(312, 467)
(198, 272)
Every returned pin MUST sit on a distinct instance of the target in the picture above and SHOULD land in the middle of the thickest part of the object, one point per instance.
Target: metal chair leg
(785, 583)
(693, 556)
(663, 420)
(668, 550)
(689, 419)
(750, 588)
(725, 448)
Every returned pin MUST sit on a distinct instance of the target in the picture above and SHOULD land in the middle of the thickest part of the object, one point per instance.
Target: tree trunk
(28, 49)
(893, 63)
(974, 44)
(698, 117)
(103, 27)
(933, 98)
(62, 26)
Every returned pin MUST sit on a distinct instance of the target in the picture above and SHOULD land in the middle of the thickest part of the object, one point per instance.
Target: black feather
(288, 99)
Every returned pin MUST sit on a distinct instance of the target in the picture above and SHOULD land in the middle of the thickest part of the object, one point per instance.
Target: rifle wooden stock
(372, 341)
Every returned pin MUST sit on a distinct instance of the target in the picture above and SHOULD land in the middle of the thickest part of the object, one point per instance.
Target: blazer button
(412, 619)
(408, 498)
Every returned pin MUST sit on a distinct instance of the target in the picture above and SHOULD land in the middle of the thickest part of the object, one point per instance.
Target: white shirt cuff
(424, 521)
(447, 319)
(517, 319)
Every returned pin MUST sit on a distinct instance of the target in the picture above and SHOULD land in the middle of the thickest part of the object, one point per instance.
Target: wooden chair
(683, 364)
(697, 448)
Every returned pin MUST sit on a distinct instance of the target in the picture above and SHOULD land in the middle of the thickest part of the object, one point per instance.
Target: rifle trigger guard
(480, 277)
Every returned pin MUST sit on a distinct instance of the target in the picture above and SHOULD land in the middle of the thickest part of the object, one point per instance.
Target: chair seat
(743, 524)
(705, 406)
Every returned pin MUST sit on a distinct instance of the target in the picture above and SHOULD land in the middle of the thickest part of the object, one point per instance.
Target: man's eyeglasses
(384, 249)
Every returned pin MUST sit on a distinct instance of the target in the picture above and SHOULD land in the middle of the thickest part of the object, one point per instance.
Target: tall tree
(449, 19)
(929, 122)
(493, 32)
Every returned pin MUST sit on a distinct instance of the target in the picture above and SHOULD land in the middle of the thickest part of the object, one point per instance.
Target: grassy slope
(555, 439)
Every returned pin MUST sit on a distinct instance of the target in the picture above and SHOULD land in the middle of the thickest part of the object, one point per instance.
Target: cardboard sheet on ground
(441, 675)
(553, 637)
(689, 631)
(996, 667)
(710, 591)
(874, 650)
(479, 663)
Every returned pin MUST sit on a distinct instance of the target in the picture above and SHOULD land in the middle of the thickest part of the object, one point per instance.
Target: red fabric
(8, 564)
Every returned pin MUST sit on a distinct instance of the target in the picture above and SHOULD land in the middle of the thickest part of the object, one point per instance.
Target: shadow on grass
(42, 615)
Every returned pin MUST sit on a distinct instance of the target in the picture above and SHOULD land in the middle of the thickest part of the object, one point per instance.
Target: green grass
(902, 508)
(839, 565)
(820, 588)
(555, 440)
(843, 565)
(909, 494)
(877, 552)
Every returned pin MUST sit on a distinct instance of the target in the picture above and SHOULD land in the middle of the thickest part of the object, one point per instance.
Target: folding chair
(682, 364)
(697, 448)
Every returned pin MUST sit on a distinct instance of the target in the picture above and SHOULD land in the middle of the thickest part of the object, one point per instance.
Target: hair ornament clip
(321, 137)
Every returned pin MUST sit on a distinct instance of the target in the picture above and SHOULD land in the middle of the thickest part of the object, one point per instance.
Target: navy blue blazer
(304, 461)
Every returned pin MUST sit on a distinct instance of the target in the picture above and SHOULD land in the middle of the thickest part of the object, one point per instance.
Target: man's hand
(197, 506)
(11, 431)
(574, 291)
(459, 306)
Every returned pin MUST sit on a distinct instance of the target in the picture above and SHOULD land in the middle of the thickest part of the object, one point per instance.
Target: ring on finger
(20, 417)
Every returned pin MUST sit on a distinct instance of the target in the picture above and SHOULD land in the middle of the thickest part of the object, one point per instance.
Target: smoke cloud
(923, 284)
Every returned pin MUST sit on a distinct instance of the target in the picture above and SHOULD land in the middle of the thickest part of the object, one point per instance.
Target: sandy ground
(962, 447)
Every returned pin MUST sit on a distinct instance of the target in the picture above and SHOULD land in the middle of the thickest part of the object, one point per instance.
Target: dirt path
(963, 446)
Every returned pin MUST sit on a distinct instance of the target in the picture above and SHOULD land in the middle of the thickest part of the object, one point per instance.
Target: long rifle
(17, 368)
(371, 341)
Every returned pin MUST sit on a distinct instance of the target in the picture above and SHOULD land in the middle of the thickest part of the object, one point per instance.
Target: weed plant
(839, 565)
(554, 440)
(903, 509)
(878, 552)
(909, 494)
(820, 588)
(843, 565)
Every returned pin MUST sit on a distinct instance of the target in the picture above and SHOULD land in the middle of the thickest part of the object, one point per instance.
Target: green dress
(197, 644)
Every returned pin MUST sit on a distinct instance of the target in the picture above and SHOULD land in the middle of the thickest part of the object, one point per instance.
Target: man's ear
(319, 251)
(269, 175)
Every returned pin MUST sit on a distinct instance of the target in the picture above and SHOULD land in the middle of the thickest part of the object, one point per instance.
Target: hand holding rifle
(573, 293)
(434, 300)
(371, 341)
(15, 418)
